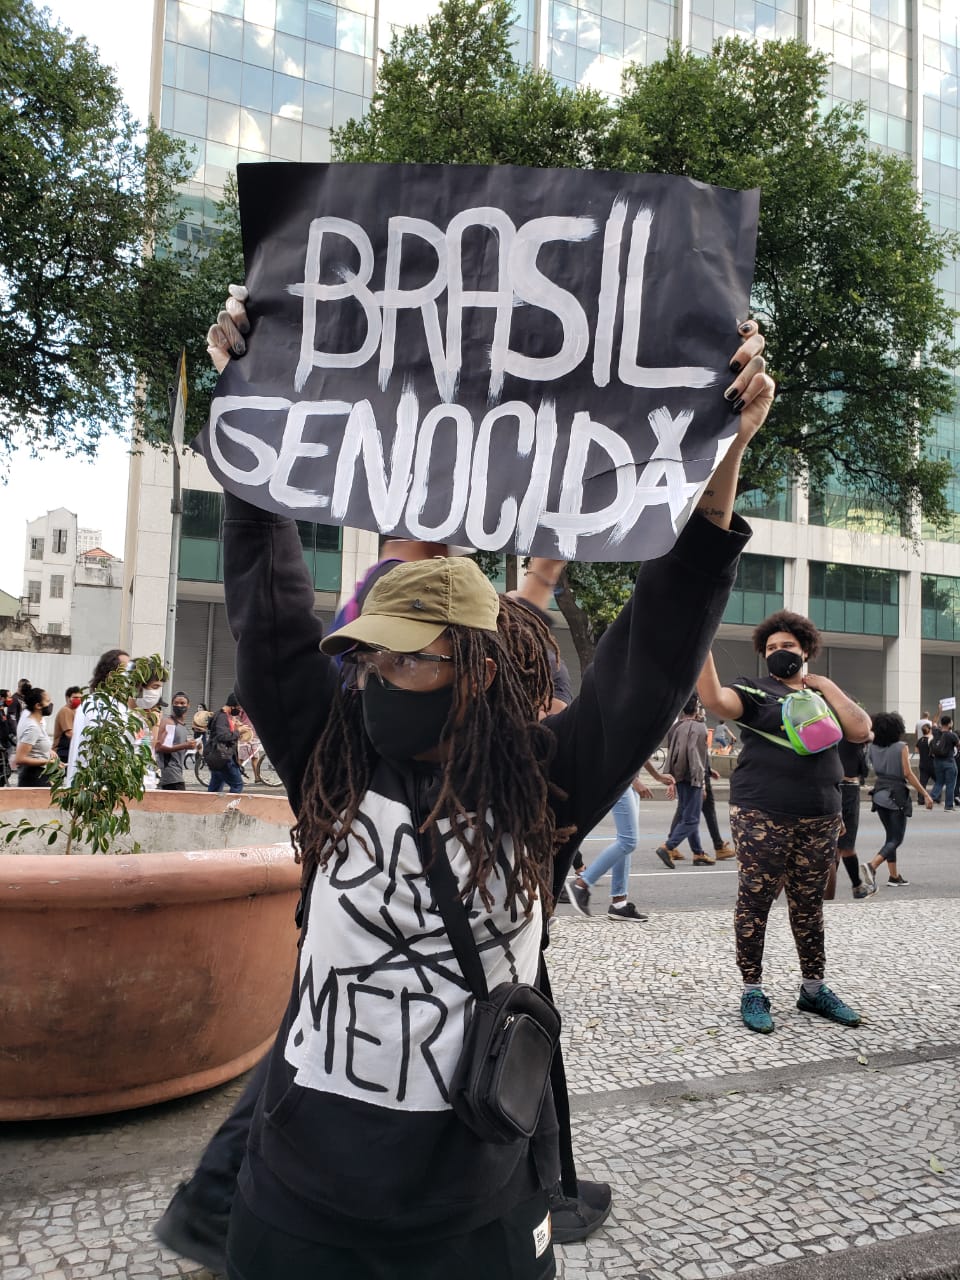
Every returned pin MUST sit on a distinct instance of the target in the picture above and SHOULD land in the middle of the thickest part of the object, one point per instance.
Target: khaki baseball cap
(413, 604)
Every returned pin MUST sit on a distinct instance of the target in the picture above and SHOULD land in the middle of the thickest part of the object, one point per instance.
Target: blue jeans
(229, 776)
(945, 772)
(686, 825)
(616, 857)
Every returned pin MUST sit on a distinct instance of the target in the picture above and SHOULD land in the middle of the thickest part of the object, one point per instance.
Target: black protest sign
(525, 360)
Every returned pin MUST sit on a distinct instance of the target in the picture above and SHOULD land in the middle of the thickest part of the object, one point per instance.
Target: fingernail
(735, 366)
(746, 327)
(239, 347)
(731, 391)
(738, 407)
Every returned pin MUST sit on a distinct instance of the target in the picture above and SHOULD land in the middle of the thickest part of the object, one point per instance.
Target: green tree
(859, 337)
(82, 194)
(183, 286)
(451, 92)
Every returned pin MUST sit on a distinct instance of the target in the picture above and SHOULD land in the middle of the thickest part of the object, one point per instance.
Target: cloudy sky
(96, 491)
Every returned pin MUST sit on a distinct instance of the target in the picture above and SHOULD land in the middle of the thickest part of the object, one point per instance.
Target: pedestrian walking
(687, 763)
(944, 751)
(616, 857)
(925, 770)
(784, 810)
(853, 762)
(63, 725)
(106, 663)
(220, 747)
(890, 758)
(174, 740)
(34, 747)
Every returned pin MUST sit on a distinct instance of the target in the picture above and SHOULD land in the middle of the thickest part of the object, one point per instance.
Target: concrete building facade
(247, 80)
(72, 587)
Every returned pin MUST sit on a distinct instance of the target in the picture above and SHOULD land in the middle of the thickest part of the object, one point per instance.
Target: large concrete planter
(127, 980)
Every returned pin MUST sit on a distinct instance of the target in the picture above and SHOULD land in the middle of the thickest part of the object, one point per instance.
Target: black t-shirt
(772, 778)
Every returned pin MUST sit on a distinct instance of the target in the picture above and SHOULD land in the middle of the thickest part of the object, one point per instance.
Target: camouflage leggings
(797, 854)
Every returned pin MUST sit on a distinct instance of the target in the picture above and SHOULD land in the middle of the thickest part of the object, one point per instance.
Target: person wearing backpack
(944, 752)
(220, 747)
(785, 804)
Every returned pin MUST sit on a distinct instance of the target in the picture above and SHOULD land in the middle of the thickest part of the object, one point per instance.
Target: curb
(932, 1255)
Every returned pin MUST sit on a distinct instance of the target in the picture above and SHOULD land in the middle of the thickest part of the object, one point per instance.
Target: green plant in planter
(113, 762)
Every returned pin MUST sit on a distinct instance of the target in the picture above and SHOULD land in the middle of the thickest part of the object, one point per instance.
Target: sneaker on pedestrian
(864, 890)
(625, 911)
(677, 856)
(563, 896)
(573, 1219)
(703, 860)
(755, 1011)
(828, 1005)
(724, 850)
(897, 880)
(867, 876)
(579, 896)
(664, 854)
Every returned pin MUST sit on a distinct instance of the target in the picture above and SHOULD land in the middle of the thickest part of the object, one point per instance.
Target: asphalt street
(930, 860)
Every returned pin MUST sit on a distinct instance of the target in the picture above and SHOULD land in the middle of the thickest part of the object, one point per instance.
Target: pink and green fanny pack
(807, 720)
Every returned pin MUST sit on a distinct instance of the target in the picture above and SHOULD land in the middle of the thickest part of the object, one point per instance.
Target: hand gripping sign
(525, 360)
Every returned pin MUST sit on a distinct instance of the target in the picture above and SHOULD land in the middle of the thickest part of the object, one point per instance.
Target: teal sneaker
(827, 1005)
(755, 1011)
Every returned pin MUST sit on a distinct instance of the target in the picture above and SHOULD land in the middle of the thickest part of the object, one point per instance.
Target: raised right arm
(283, 681)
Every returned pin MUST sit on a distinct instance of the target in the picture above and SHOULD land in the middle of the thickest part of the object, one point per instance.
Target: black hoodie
(354, 1141)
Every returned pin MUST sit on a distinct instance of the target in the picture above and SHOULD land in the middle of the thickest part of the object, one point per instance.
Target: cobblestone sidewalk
(728, 1152)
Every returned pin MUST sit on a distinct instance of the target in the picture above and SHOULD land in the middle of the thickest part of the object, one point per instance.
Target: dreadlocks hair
(494, 783)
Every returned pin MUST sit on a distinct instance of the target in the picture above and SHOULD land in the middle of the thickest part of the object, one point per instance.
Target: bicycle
(251, 753)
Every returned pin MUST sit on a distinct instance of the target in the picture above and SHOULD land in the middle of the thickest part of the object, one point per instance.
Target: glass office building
(254, 79)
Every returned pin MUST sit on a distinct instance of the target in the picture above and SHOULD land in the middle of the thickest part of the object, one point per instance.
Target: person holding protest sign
(358, 1164)
(785, 806)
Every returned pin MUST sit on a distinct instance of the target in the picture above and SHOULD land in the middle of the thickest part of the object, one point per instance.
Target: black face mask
(179, 712)
(47, 710)
(784, 663)
(402, 724)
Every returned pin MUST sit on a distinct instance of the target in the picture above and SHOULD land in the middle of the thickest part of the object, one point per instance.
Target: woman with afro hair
(784, 811)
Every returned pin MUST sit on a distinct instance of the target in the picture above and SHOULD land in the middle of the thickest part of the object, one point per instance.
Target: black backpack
(944, 744)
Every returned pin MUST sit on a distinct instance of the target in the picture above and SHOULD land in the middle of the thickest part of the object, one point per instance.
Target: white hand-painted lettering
(377, 970)
(512, 381)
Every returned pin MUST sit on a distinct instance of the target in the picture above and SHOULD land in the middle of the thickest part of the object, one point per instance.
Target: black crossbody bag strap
(453, 913)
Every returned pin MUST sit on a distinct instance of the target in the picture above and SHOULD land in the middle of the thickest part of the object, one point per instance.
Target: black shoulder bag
(503, 1071)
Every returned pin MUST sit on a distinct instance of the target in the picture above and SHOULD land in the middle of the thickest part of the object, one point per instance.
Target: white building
(49, 560)
(71, 586)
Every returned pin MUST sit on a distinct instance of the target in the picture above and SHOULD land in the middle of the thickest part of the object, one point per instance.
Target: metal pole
(170, 635)
(178, 407)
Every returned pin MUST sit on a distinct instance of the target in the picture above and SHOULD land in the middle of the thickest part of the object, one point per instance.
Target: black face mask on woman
(47, 710)
(784, 663)
(402, 724)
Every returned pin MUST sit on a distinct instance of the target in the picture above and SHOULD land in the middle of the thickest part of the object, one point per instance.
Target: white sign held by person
(524, 360)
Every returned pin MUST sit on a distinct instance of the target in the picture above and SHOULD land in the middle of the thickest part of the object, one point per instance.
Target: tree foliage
(845, 288)
(82, 194)
(183, 287)
(859, 338)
